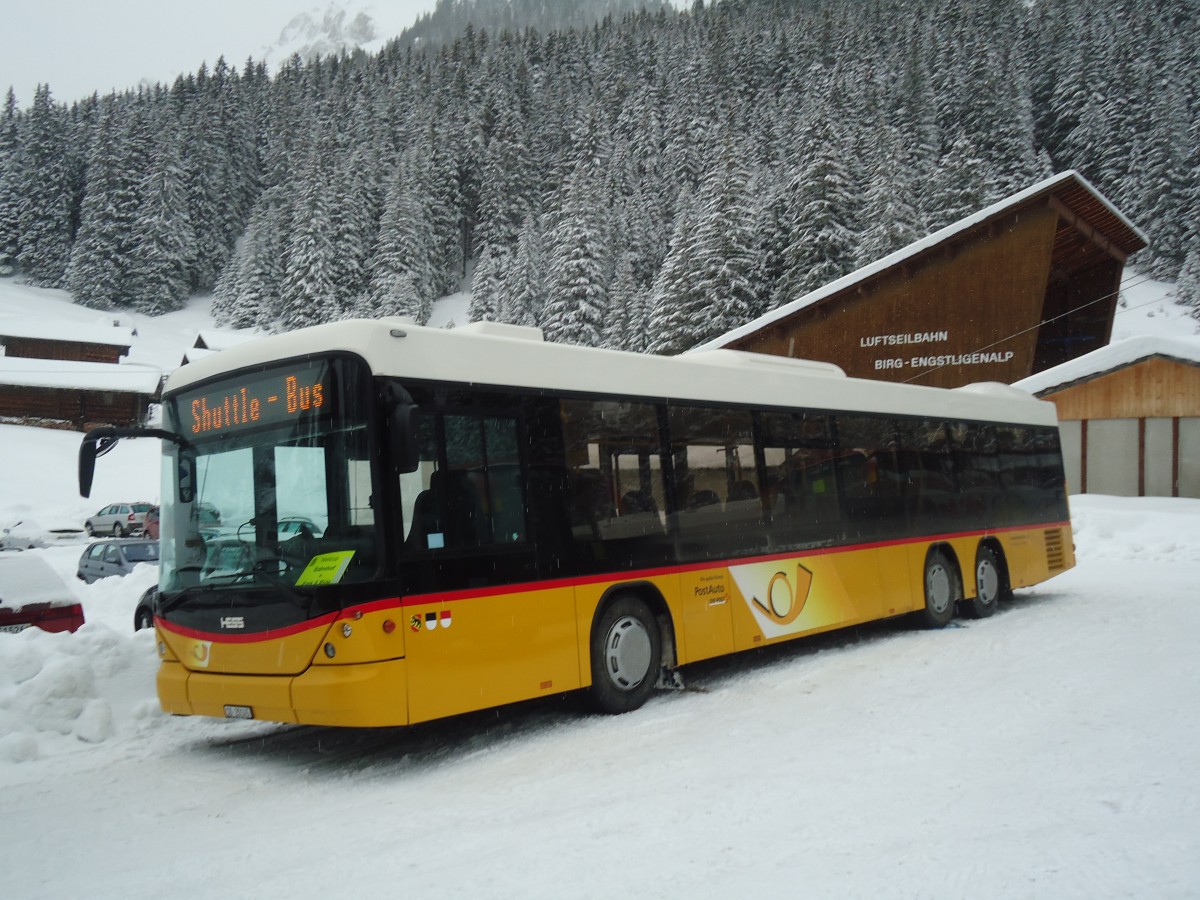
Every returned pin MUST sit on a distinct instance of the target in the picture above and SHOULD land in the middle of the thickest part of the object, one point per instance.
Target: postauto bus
(371, 523)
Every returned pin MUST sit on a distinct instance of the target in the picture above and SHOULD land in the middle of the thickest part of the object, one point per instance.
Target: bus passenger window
(801, 484)
(614, 469)
(478, 498)
(718, 504)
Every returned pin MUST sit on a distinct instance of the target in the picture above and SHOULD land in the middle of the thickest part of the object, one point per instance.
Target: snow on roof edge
(84, 376)
(1111, 356)
(67, 332)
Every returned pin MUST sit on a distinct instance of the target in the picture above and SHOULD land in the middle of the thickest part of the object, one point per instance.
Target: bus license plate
(238, 712)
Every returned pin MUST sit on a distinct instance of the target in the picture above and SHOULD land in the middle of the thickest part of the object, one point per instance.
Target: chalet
(65, 341)
(210, 342)
(1018, 288)
(1129, 417)
(81, 394)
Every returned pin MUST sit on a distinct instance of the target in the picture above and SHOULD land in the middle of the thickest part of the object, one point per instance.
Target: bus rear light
(388, 626)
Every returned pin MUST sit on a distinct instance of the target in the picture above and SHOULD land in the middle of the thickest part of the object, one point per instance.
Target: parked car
(227, 558)
(116, 556)
(32, 595)
(14, 537)
(150, 524)
(143, 616)
(207, 514)
(118, 519)
(292, 526)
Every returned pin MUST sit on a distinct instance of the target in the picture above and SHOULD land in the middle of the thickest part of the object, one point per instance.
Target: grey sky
(81, 46)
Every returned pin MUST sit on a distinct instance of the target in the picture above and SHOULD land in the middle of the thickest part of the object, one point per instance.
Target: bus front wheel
(626, 655)
(943, 589)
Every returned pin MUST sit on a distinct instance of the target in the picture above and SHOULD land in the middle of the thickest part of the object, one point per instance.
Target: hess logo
(232, 623)
(786, 596)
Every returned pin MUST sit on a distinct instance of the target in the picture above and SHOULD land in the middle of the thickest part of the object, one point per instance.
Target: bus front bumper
(363, 695)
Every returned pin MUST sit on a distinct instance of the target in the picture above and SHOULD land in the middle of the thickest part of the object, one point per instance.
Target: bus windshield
(275, 486)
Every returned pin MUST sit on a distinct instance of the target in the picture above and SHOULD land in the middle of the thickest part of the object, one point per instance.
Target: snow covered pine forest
(646, 182)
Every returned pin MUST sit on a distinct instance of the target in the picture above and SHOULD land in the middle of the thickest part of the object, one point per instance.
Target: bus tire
(626, 655)
(943, 589)
(991, 585)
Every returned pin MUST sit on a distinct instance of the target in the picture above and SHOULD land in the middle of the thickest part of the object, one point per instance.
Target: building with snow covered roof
(1019, 287)
(81, 394)
(210, 342)
(1129, 417)
(67, 373)
(103, 343)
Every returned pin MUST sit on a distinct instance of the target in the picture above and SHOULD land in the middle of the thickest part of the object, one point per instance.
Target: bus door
(479, 636)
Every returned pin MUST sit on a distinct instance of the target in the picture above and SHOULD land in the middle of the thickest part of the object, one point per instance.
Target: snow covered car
(117, 556)
(32, 595)
(118, 519)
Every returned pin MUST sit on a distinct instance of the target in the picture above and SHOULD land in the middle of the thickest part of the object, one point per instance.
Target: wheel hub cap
(627, 653)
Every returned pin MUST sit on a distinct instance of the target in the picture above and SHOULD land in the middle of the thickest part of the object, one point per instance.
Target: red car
(150, 525)
(32, 594)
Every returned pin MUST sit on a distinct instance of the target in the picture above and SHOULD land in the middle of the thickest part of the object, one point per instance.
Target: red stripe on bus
(253, 638)
(633, 575)
(353, 611)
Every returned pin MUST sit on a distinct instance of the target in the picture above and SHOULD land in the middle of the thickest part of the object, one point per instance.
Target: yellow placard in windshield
(326, 568)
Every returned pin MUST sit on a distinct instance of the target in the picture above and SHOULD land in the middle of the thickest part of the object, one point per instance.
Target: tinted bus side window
(718, 504)
(872, 480)
(468, 490)
(615, 492)
(1029, 466)
(931, 497)
(973, 450)
(800, 480)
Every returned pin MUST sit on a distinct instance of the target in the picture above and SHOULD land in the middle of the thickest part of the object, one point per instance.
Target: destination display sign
(276, 397)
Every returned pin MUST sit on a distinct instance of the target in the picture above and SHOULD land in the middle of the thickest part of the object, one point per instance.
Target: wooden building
(76, 394)
(210, 342)
(1129, 415)
(1018, 288)
(66, 341)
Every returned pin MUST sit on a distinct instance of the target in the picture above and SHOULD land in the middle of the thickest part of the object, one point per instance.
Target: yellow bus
(371, 523)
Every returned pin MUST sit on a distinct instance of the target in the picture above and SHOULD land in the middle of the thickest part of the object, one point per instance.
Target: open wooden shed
(1022, 286)
(1129, 415)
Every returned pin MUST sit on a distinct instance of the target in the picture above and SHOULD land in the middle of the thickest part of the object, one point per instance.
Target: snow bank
(60, 692)
(1162, 529)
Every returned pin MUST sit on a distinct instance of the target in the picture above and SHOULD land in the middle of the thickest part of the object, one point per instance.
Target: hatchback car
(117, 556)
(118, 519)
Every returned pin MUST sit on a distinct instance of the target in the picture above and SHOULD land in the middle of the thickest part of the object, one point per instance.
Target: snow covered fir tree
(645, 180)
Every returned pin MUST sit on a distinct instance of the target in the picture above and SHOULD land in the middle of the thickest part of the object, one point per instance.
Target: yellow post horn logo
(784, 604)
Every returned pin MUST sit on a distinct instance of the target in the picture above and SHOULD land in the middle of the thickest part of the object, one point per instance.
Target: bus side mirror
(406, 447)
(95, 443)
(185, 474)
(87, 466)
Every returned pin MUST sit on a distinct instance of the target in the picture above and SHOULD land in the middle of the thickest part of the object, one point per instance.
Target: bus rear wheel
(990, 584)
(943, 589)
(626, 656)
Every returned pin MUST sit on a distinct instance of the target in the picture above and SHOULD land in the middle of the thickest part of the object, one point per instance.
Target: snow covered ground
(1050, 751)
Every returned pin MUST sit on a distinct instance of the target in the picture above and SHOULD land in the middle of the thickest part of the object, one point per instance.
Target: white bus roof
(512, 357)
